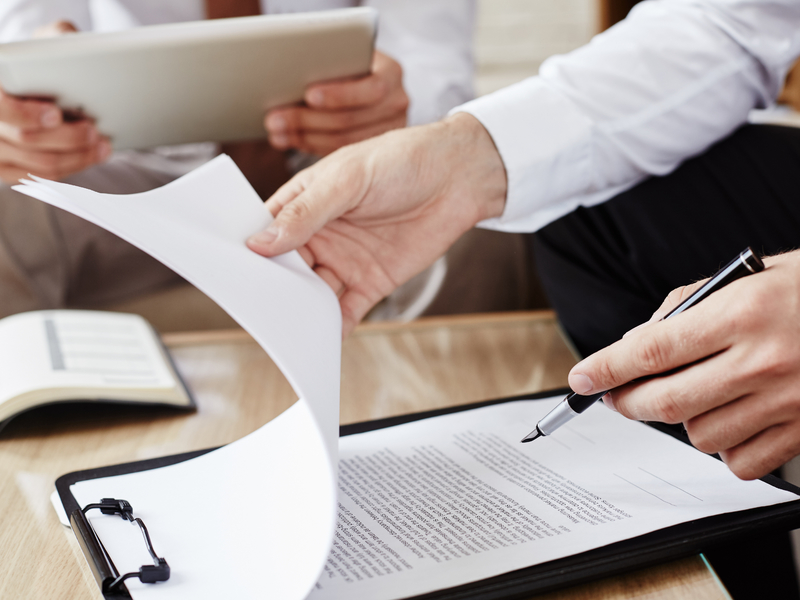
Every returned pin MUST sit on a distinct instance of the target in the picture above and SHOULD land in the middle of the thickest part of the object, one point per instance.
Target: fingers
(764, 452)
(47, 164)
(355, 306)
(680, 396)
(299, 213)
(355, 93)
(28, 114)
(34, 138)
(652, 350)
(339, 113)
(735, 422)
(288, 120)
(386, 77)
(321, 132)
(322, 144)
(11, 175)
(67, 137)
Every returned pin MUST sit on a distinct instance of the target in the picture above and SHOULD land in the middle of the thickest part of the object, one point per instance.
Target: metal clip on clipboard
(106, 574)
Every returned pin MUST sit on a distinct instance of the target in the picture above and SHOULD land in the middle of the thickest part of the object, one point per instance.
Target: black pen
(574, 404)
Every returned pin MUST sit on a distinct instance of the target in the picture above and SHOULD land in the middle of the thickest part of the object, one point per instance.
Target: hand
(372, 215)
(35, 138)
(342, 112)
(728, 369)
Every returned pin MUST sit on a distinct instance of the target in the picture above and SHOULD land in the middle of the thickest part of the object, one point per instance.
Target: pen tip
(532, 436)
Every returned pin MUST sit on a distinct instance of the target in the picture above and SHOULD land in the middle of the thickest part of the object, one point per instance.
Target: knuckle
(651, 355)
(295, 212)
(701, 439)
(607, 374)
(667, 407)
(768, 363)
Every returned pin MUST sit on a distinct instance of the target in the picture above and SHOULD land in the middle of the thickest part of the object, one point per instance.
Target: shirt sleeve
(432, 40)
(20, 18)
(659, 87)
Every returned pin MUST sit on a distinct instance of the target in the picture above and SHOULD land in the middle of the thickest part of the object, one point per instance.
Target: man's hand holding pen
(727, 369)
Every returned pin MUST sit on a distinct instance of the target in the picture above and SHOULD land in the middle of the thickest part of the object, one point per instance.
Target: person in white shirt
(422, 68)
(596, 155)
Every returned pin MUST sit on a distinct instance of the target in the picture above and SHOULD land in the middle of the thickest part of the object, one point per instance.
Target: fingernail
(315, 97)
(276, 123)
(609, 402)
(263, 238)
(51, 117)
(580, 383)
(103, 151)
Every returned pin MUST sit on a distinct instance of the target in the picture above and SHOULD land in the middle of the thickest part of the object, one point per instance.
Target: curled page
(259, 513)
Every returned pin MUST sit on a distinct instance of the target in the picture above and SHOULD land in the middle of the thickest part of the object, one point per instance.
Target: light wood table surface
(387, 369)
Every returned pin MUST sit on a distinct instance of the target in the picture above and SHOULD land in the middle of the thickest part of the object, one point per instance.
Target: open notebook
(52, 356)
(291, 512)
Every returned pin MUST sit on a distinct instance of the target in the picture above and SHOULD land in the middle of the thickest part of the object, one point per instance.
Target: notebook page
(261, 509)
(79, 349)
(454, 499)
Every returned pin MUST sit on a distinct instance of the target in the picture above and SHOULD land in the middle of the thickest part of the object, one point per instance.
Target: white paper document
(454, 499)
(263, 508)
(419, 507)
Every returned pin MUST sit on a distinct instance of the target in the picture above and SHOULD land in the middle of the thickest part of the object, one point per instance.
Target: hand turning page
(261, 511)
(415, 508)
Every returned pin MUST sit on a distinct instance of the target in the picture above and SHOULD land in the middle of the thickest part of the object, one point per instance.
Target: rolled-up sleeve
(662, 86)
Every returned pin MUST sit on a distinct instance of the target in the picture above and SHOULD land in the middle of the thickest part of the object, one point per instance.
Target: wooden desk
(387, 369)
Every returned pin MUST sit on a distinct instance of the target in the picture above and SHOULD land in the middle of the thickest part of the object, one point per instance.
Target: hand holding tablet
(35, 138)
(191, 82)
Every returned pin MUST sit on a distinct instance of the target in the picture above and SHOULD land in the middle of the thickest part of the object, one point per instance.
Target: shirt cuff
(544, 142)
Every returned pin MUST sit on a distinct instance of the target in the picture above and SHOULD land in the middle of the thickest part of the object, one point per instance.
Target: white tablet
(191, 82)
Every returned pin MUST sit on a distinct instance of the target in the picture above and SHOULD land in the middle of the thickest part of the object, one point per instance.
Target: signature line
(672, 484)
(644, 490)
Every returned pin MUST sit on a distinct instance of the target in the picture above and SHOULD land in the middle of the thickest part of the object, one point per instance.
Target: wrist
(480, 163)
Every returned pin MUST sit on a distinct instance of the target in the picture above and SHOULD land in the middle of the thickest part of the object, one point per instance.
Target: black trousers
(605, 269)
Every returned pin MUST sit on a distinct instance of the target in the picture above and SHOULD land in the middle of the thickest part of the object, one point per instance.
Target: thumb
(301, 208)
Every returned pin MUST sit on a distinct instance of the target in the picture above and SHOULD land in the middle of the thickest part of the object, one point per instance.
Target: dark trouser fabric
(607, 268)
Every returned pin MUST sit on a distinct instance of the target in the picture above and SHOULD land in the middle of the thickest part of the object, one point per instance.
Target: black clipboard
(671, 543)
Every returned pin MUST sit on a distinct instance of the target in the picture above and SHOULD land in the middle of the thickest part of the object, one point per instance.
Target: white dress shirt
(659, 87)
